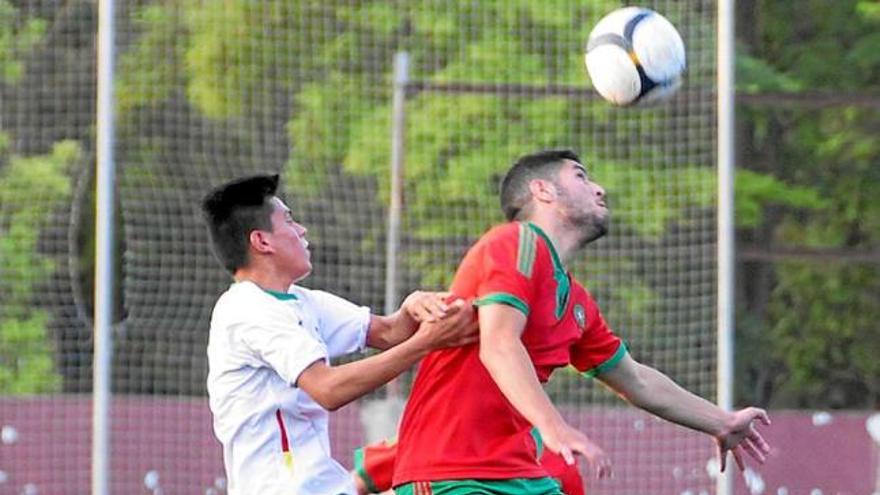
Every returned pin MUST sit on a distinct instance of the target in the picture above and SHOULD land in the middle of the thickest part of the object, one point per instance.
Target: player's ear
(259, 241)
(543, 191)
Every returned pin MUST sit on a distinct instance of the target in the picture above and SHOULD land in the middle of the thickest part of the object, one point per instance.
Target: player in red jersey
(374, 466)
(468, 424)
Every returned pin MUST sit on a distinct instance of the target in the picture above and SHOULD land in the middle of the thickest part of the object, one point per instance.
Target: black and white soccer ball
(634, 55)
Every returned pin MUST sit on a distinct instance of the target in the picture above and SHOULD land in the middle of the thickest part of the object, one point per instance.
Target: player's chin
(594, 228)
(304, 271)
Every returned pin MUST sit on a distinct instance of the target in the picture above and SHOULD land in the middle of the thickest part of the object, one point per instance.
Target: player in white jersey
(270, 380)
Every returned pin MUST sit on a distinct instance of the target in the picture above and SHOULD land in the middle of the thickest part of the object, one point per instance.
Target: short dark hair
(235, 209)
(515, 194)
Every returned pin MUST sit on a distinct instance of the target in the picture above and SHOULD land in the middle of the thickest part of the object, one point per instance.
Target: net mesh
(212, 90)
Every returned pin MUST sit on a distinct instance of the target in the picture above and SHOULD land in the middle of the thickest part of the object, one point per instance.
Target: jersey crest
(580, 316)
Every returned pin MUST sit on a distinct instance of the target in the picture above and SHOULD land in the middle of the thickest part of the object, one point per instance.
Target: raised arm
(651, 390)
(334, 386)
(508, 362)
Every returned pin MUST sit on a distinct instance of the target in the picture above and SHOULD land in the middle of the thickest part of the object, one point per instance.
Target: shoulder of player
(522, 240)
(506, 235)
(246, 301)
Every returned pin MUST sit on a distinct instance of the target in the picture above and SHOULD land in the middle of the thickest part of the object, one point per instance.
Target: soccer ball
(634, 55)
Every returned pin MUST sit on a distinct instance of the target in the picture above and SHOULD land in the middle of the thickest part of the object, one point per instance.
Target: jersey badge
(580, 316)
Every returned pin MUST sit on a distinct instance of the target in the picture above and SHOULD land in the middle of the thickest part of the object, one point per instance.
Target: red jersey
(457, 423)
(375, 465)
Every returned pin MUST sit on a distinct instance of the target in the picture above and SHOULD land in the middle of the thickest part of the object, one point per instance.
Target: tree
(27, 358)
(815, 318)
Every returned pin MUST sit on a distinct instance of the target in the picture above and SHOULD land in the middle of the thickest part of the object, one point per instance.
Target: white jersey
(275, 437)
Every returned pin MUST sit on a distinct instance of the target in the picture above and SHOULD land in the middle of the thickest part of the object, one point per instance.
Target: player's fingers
(454, 307)
(604, 469)
(753, 451)
(758, 441)
(738, 458)
(722, 457)
(757, 414)
(419, 307)
(567, 456)
(435, 306)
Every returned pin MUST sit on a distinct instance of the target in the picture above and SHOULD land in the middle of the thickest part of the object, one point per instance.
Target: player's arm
(334, 386)
(505, 357)
(653, 391)
(390, 330)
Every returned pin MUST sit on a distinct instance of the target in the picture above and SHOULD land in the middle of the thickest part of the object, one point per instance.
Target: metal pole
(103, 336)
(398, 122)
(726, 136)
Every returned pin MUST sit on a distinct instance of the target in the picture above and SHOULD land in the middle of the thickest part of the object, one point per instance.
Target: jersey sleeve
(343, 325)
(506, 267)
(284, 345)
(599, 349)
(374, 464)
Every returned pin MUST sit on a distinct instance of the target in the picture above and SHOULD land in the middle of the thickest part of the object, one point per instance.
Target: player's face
(288, 239)
(582, 201)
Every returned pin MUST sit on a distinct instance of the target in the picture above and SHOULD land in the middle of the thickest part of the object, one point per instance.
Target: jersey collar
(563, 284)
(281, 296)
(557, 261)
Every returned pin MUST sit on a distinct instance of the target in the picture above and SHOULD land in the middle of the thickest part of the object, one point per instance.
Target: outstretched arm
(508, 362)
(651, 390)
(334, 386)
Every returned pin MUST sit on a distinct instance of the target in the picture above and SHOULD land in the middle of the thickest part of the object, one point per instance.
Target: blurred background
(209, 90)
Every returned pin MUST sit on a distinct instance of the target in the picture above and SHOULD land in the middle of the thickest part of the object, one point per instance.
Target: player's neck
(265, 279)
(563, 239)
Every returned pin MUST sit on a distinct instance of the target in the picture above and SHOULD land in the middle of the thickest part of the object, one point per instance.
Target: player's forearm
(662, 397)
(510, 367)
(334, 387)
(386, 332)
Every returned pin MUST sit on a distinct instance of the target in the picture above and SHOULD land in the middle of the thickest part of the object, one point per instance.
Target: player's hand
(741, 435)
(427, 306)
(569, 442)
(458, 327)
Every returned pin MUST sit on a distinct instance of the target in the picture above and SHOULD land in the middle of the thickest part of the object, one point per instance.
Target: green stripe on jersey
(503, 298)
(609, 363)
(563, 286)
(281, 296)
(539, 443)
(526, 252)
(516, 486)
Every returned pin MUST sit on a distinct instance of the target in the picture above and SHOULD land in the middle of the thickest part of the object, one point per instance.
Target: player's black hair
(235, 209)
(544, 164)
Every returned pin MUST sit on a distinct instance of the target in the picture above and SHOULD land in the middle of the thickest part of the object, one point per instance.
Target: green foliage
(815, 342)
(755, 192)
(26, 359)
(455, 150)
(811, 180)
(17, 36)
(150, 71)
(831, 344)
(823, 44)
(754, 75)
